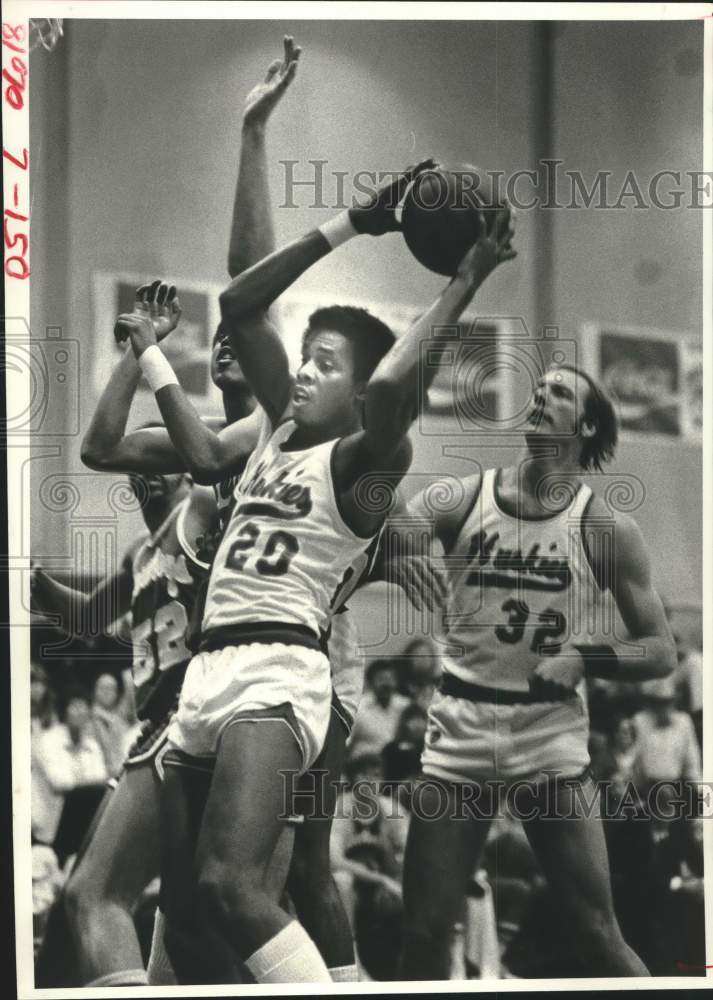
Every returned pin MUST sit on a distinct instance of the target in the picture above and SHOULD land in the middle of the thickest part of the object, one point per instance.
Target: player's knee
(80, 896)
(223, 898)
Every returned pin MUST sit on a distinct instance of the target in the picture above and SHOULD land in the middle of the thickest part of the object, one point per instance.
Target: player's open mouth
(538, 416)
(299, 394)
(225, 357)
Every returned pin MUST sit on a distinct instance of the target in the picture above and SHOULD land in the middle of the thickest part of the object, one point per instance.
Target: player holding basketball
(258, 694)
(310, 883)
(123, 854)
(530, 555)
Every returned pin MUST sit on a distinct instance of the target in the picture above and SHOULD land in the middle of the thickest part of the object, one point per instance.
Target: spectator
(379, 712)
(616, 764)
(110, 728)
(399, 755)
(66, 757)
(42, 708)
(367, 849)
(422, 670)
(667, 748)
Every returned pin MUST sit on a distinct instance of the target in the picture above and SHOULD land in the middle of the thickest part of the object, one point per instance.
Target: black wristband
(599, 661)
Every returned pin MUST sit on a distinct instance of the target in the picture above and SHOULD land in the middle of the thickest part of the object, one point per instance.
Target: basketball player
(530, 555)
(258, 694)
(157, 582)
(123, 858)
(310, 883)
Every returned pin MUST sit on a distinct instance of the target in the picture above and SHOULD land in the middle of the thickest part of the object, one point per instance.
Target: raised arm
(245, 301)
(106, 446)
(394, 391)
(208, 455)
(252, 233)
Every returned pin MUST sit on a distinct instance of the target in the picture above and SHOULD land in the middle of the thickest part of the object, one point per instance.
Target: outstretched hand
(376, 215)
(264, 96)
(156, 313)
(493, 248)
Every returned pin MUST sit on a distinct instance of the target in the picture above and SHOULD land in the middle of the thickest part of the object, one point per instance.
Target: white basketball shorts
(469, 741)
(223, 686)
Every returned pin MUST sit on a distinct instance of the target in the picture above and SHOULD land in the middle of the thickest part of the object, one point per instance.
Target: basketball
(441, 215)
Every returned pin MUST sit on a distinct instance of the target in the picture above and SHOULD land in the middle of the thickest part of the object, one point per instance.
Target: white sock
(160, 971)
(127, 977)
(344, 974)
(291, 956)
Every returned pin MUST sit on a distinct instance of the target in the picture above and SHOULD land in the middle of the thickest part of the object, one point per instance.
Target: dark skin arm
(207, 455)
(393, 393)
(252, 232)
(106, 446)
(80, 613)
(245, 302)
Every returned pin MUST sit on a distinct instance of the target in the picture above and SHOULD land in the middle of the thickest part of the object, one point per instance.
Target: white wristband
(338, 230)
(157, 368)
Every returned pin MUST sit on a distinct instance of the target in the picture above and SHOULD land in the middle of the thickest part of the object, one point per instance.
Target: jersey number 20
(277, 553)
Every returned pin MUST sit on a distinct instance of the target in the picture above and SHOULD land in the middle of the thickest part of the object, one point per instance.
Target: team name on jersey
(510, 568)
(162, 565)
(295, 500)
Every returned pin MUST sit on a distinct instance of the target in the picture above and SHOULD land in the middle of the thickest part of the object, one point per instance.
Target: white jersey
(286, 549)
(521, 589)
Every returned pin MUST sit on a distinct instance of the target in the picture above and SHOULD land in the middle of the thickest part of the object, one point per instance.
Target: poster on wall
(187, 347)
(654, 376)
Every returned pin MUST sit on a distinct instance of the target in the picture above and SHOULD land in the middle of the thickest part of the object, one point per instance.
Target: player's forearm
(110, 417)
(199, 447)
(252, 235)
(80, 613)
(256, 289)
(54, 598)
(395, 389)
(641, 659)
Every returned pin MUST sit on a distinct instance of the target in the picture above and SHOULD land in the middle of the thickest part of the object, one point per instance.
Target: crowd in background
(641, 736)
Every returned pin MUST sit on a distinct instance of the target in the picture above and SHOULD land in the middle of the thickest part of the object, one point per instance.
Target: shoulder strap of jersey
(188, 549)
(579, 503)
(487, 487)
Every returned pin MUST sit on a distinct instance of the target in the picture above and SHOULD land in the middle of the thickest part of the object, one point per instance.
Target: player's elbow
(237, 300)
(93, 457)
(206, 473)
(208, 467)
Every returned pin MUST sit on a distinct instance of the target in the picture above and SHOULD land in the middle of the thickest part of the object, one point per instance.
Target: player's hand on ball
(493, 248)
(376, 215)
(264, 96)
(558, 675)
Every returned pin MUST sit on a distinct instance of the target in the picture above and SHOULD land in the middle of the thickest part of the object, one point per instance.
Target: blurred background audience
(641, 735)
